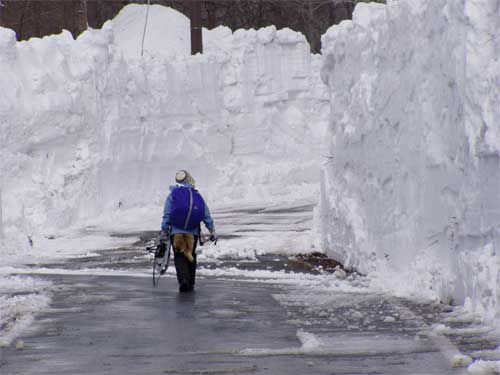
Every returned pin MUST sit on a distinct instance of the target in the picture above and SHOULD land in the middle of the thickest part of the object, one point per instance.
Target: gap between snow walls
(411, 192)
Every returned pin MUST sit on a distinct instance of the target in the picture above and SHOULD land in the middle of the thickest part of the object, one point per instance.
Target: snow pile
(167, 32)
(21, 298)
(90, 130)
(411, 192)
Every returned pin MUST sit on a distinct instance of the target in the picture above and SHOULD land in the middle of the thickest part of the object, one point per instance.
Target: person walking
(183, 213)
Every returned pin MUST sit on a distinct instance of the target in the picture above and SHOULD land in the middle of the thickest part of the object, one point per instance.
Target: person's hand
(213, 236)
(164, 236)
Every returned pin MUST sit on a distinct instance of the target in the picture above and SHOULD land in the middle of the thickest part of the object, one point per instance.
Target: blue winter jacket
(167, 211)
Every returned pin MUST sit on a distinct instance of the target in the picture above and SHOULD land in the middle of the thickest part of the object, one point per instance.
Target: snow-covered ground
(412, 192)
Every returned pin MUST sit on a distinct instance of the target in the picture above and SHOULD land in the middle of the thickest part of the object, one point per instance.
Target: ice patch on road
(319, 282)
(471, 331)
(225, 313)
(340, 346)
(326, 282)
(80, 272)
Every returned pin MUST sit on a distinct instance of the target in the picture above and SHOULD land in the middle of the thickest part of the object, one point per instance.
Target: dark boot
(184, 270)
(184, 288)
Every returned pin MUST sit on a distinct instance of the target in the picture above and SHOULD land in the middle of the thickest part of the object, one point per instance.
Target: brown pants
(184, 243)
(185, 269)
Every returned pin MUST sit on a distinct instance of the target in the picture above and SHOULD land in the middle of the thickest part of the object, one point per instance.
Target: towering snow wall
(411, 193)
(88, 127)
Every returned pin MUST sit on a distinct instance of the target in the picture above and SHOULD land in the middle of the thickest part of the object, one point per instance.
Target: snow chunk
(367, 14)
(461, 360)
(484, 367)
(266, 34)
(340, 274)
(289, 36)
(310, 342)
(18, 314)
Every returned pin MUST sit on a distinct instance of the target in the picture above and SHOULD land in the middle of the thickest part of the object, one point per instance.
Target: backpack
(188, 208)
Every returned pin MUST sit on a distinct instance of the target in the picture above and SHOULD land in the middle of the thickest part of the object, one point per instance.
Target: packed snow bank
(412, 190)
(89, 130)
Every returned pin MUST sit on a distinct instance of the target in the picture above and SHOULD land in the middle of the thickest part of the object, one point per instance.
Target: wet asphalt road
(120, 324)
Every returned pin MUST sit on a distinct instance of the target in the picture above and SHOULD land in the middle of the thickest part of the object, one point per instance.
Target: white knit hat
(183, 177)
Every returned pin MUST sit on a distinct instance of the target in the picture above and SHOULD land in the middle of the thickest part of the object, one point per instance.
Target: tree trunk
(92, 14)
(37, 19)
(310, 27)
(81, 17)
(196, 36)
(68, 22)
(210, 9)
(2, 6)
(22, 21)
(100, 17)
